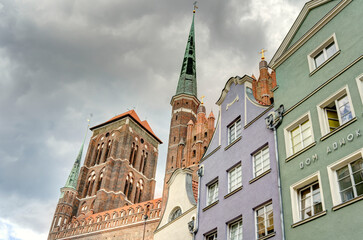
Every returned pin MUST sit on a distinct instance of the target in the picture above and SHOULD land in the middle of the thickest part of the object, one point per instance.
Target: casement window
(212, 193)
(350, 180)
(211, 236)
(235, 230)
(310, 201)
(234, 178)
(234, 130)
(323, 53)
(298, 135)
(335, 111)
(346, 178)
(307, 198)
(261, 161)
(264, 220)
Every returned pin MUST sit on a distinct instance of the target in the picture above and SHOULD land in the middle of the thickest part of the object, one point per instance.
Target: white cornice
(283, 53)
(236, 80)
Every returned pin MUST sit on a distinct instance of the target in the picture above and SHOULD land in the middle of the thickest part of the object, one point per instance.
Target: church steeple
(188, 76)
(73, 176)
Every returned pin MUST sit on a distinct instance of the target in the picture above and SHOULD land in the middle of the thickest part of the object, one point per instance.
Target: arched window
(91, 183)
(99, 154)
(138, 193)
(128, 185)
(134, 156)
(175, 213)
(132, 152)
(143, 166)
(142, 160)
(100, 178)
(194, 153)
(108, 148)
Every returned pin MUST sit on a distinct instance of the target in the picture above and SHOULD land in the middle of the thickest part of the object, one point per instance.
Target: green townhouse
(319, 70)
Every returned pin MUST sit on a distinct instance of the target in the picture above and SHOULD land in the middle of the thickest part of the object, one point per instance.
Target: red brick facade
(262, 88)
(190, 134)
(119, 170)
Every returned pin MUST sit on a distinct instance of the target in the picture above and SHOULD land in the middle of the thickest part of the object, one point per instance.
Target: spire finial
(195, 6)
(202, 97)
(263, 53)
(73, 176)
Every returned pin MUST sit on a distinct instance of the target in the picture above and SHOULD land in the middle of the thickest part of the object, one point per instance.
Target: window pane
(343, 172)
(357, 165)
(359, 189)
(330, 50)
(347, 195)
(345, 183)
(319, 59)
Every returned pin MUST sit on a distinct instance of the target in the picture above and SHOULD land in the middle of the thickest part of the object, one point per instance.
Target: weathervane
(202, 97)
(195, 6)
(263, 53)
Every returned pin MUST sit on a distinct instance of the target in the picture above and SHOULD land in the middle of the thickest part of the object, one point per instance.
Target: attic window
(323, 54)
(107, 134)
(142, 140)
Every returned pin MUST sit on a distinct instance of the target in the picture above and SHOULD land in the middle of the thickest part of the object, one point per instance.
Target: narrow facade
(239, 197)
(118, 172)
(178, 219)
(319, 70)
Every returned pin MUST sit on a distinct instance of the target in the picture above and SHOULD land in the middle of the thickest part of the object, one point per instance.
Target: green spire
(188, 76)
(73, 176)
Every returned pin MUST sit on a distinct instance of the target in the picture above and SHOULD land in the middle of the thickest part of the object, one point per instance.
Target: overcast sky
(61, 60)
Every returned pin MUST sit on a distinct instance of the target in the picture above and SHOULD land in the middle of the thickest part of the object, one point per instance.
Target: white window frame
(293, 125)
(319, 49)
(239, 223)
(323, 119)
(359, 80)
(295, 194)
(238, 175)
(265, 217)
(262, 163)
(216, 191)
(333, 179)
(234, 123)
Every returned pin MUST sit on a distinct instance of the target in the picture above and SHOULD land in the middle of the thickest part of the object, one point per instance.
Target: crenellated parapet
(114, 219)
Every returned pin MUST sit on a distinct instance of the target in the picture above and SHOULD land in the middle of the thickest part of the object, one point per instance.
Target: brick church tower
(118, 172)
(262, 88)
(190, 129)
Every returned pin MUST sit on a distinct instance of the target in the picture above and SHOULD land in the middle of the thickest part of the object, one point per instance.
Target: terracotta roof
(134, 116)
(195, 190)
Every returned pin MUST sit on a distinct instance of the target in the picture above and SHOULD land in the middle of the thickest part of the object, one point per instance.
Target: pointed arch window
(100, 178)
(139, 189)
(128, 185)
(143, 161)
(108, 150)
(89, 185)
(99, 154)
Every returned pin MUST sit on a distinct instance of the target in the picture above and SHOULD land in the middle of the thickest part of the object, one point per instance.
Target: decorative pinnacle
(202, 97)
(195, 6)
(263, 53)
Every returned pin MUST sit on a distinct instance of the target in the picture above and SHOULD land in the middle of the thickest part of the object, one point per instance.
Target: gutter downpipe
(200, 174)
(273, 120)
(279, 185)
